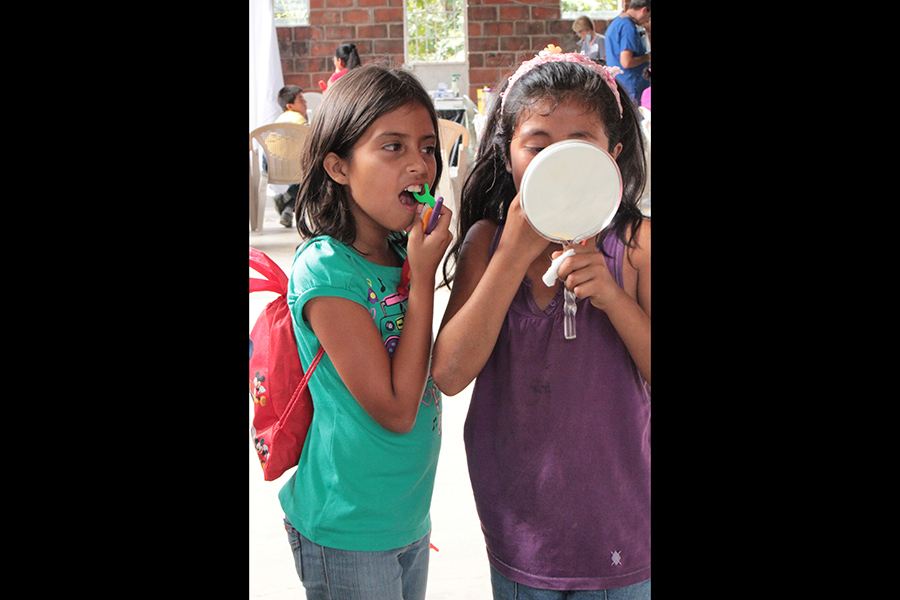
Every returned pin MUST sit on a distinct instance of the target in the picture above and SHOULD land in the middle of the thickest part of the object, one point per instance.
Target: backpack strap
(275, 279)
(312, 366)
(268, 268)
(301, 387)
(264, 285)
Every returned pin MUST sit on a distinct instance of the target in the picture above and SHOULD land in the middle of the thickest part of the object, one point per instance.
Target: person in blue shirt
(627, 47)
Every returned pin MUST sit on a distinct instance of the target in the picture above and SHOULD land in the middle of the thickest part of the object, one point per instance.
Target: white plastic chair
(313, 100)
(452, 178)
(645, 121)
(282, 144)
(645, 130)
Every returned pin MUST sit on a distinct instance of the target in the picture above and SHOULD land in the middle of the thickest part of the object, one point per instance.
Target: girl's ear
(337, 168)
(617, 150)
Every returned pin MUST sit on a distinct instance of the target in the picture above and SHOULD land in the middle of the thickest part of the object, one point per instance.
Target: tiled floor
(459, 571)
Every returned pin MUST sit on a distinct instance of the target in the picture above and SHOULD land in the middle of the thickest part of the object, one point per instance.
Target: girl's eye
(392, 147)
(534, 149)
(429, 150)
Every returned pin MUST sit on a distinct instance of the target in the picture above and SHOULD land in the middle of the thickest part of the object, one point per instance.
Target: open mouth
(407, 199)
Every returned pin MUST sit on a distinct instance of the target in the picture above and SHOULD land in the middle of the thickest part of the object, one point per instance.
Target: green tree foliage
(586, 7)
(434, 30)
(290, 13)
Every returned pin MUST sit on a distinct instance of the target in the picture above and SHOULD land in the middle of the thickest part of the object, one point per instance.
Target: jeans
(505, 589)
(331, 574)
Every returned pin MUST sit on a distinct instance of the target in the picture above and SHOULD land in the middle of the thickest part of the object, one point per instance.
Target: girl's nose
(418, 164)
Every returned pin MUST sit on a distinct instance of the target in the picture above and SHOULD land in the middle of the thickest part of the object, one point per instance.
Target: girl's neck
(375, 249)
(371, 240)
(546, 257)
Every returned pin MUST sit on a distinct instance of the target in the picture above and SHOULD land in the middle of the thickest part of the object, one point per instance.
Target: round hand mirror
(570, 192)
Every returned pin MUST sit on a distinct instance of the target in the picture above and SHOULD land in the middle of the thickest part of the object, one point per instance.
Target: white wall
(265, 65)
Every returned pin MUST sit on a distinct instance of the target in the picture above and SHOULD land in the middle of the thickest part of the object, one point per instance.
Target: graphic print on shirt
(393, 308)
(433, 397)
(390, 316)
(616, 558)
(389, 312)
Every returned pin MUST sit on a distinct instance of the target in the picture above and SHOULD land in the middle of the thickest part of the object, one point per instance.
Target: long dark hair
(348, 54)
(350, 106)
(489, 188)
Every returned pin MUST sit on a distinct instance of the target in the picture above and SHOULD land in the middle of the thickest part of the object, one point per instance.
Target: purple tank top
(558, 445)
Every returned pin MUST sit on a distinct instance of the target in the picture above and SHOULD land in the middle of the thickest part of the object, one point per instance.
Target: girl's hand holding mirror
(587, 276)
(519, 236)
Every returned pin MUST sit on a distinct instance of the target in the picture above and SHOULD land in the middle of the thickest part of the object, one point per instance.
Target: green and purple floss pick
(434, 206)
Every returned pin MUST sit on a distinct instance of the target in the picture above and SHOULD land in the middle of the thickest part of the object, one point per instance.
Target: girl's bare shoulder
(639, 254)
(479, 237)
(474, 253)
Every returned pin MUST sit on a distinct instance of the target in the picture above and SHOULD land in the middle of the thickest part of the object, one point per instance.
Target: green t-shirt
(358, 486)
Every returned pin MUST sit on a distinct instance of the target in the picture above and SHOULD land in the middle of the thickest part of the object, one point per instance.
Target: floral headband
(553, 53)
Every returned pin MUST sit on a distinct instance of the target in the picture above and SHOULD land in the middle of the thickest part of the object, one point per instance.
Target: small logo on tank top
(616, 558)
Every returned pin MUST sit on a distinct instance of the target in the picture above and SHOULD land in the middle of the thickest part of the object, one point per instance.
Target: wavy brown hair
(348, 108)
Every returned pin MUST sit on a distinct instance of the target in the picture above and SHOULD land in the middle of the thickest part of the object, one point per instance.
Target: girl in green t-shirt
(357, 508)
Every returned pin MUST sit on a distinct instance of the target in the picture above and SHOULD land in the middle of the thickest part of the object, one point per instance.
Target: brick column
(502, 34)
(375, 26)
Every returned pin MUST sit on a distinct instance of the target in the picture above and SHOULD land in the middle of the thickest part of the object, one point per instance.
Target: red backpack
(282, 406)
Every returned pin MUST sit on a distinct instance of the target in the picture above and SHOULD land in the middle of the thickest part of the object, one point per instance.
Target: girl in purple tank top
(558, 431)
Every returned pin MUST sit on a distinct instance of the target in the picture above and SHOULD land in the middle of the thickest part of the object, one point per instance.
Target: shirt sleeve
(631, 40)
(324, 269)
(626, 37)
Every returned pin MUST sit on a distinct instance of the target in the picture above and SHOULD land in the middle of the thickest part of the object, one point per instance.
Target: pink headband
(554, 53)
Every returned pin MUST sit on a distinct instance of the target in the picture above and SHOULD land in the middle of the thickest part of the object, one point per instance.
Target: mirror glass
(570, 191)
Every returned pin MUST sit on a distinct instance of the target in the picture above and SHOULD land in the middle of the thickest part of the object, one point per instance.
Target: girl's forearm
(410, 362)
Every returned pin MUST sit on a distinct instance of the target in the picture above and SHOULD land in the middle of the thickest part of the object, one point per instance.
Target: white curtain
(265, 65)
